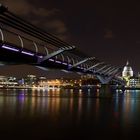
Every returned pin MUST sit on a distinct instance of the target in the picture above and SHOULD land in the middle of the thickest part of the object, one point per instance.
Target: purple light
(51, 59)
(9, 48)
(65, 63)
(40, 56)
(58, 61)
(28, 53)
(69, 64)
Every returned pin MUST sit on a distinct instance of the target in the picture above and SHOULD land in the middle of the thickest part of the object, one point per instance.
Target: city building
(127, 71)
(134, 81)
(128, 75)
(8, 81)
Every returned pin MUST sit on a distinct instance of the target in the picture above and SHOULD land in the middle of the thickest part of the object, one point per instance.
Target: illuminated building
(7, 81)
(127, 72)
(134, 81)
(30, 80)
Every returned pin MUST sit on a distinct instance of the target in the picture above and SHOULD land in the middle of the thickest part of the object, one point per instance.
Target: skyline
(65, 71)
(28, 69)
(109, 26)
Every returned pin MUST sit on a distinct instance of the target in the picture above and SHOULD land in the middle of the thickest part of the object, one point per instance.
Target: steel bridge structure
(23, 43)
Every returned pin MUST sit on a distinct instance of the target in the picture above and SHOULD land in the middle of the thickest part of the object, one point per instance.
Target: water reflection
(73, 110)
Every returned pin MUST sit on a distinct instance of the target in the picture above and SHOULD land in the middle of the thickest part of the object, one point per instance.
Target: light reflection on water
(75, 110)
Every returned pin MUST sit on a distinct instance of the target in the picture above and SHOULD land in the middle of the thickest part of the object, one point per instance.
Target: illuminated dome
(127, 71)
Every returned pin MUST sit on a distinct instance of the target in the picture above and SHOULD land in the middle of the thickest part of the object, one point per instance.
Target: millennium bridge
(23, 43)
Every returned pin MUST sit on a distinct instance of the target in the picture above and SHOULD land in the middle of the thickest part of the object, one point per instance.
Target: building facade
(128, 75)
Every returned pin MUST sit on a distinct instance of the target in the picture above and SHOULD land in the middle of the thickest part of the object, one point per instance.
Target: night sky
(106, 29)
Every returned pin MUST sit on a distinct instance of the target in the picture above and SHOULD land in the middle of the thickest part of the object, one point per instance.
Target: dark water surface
(69, 115)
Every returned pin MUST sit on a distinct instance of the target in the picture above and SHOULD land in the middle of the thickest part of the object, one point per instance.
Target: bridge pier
(105, 91)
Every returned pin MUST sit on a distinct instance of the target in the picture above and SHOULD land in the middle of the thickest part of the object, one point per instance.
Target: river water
(68, 114)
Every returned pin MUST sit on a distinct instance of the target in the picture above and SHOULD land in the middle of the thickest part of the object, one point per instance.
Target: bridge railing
(10, 20)
(14, 39)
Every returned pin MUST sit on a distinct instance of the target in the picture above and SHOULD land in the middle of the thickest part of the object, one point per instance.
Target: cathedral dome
(127, 70)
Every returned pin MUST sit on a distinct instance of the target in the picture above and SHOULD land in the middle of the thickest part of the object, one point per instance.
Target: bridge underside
(14, 58)
(23, 43)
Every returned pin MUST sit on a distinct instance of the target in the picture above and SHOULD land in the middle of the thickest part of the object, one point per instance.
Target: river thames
(68, 114)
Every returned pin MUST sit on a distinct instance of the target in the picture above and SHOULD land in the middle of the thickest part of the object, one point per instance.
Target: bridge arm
(81, 62)
(106, 80)
(114, 71)
(110, 71)
(101, 68)
(106, 70)
(61, 50)
(95, 65)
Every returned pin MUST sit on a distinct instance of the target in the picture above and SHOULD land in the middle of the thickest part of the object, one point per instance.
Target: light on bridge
(59, 62)
(28, 53)
(51, 60)
(10, 48)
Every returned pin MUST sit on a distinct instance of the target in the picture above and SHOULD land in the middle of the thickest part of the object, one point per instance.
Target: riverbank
(67, 87)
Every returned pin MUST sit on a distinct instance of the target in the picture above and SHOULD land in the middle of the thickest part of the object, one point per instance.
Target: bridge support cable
(106, 70)
(30, 32)
(11, 19)
(107, 73)
(101, 68)
(81, 62)
(114, 71)
(95, 65)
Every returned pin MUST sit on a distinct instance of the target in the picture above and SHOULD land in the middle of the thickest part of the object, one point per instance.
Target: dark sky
(106, 29)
